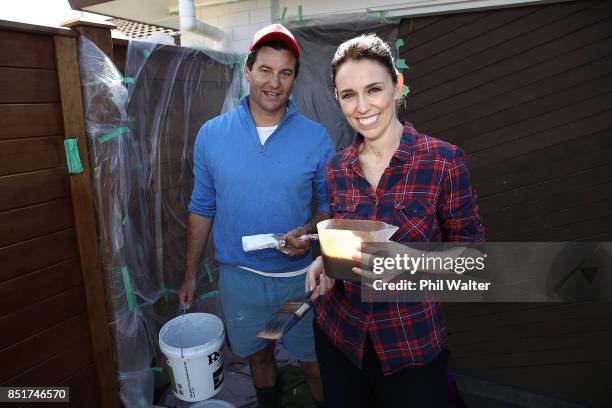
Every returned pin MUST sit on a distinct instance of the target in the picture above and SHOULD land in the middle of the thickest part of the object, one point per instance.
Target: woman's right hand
(325, 283)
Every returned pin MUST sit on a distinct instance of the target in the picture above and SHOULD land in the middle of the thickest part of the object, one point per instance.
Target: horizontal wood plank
(23, 85)
(474, 36)
(499, 182)
(595, 225)
(39, 316)
(498, 63)
(421, 32)
(585, 383)
(33, 350)
(35, 221)
(21, 155)
(30, 120)
(560, 343)
(519, 219)
(27, 50)
(25, 189)
(57, 368)
(85, 388)
(526, 87)
(38, 285)
(588, 183)
(28, 256)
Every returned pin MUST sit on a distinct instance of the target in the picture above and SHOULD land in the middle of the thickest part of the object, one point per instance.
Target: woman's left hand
(367, 261)
(325, 283)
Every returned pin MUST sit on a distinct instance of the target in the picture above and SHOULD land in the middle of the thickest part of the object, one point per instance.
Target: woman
(375, 354)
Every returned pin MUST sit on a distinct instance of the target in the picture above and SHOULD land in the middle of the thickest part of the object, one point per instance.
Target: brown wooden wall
(45, 324)
(526, 93)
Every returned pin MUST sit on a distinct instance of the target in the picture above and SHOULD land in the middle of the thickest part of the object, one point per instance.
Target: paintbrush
(287, 316)
(271, 240)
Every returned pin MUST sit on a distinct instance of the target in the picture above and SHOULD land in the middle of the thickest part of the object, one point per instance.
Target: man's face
(271, 79)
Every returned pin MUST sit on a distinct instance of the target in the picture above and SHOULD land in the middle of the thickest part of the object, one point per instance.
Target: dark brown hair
(367, 46)
(276, 45)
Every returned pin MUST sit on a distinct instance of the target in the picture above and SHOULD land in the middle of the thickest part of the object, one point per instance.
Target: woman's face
(367, 96)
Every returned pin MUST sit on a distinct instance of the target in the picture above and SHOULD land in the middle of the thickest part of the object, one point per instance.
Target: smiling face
(367, 95)
(270, 83)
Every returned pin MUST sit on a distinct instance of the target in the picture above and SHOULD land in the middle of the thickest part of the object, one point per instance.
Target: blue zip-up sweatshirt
(252, 189)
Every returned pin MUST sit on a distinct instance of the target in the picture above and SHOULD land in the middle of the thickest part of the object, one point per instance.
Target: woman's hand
(325, 283)
(366, 260)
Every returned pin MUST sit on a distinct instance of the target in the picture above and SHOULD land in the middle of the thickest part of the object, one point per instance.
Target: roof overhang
(156, 12)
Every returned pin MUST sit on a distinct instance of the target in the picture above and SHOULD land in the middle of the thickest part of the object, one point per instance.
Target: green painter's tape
(381, 14)
(405, 90)
(128, 80)
(146, 53)
(300, 14)
(164, 290)
(72, 156)
(158, 370)
(401, 63)
(208, 270)
(124, 221)
(284, 15)
(105, 138)
(209, 294)
(173, 13)
(399, 43)
(131, 299)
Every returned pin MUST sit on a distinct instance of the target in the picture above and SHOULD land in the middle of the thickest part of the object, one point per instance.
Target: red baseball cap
(275, 32)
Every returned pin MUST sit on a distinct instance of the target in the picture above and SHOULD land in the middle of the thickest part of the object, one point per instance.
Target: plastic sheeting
(140, 140)
(314, 91)
(141, 129)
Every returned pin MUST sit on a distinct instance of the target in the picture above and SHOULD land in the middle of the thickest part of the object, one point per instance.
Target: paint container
(198, 374)
(339, 239)
(213, 404)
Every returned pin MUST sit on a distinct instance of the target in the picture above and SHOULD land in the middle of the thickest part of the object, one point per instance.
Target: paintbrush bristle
(276, 327)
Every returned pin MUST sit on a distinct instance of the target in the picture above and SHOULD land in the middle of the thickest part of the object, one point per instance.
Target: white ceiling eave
(156, 12)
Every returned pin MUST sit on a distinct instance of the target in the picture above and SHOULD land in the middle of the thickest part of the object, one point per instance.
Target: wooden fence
(52, 306)
(523, 91)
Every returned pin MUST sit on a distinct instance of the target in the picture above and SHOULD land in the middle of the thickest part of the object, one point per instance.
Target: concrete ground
(238, 389)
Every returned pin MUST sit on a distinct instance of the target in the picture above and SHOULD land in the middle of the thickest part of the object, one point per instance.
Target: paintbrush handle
(309, 237)
(311, 291)
(302, 310)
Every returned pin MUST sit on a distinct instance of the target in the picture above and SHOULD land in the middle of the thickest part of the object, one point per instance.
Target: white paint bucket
(198, 374)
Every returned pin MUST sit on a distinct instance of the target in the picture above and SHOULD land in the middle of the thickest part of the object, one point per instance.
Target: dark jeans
(345, 385)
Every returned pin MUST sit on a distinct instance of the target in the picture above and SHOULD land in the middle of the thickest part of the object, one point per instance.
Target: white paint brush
(272, 240)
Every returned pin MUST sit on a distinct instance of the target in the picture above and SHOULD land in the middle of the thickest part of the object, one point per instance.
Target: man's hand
(325, 283)
(294, 245)
(187, 290)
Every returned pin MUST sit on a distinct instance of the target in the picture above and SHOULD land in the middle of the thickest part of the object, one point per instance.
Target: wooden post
(85, 224)
(98, 33)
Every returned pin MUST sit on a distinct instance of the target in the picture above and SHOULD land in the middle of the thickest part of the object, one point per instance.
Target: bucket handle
(184, 308)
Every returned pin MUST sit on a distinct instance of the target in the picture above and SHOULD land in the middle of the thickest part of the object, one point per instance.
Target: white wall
(241, 19)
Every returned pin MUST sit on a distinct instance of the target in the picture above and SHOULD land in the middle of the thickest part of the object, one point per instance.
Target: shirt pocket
(417, 220)
(344, 207)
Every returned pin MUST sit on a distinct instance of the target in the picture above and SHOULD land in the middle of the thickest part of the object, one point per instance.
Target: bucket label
(218, 377)
(214, 356)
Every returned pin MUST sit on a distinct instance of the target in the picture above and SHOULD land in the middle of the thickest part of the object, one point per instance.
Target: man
(257, 169)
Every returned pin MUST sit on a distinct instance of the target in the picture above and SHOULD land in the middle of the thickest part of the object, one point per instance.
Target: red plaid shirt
(426, 191)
